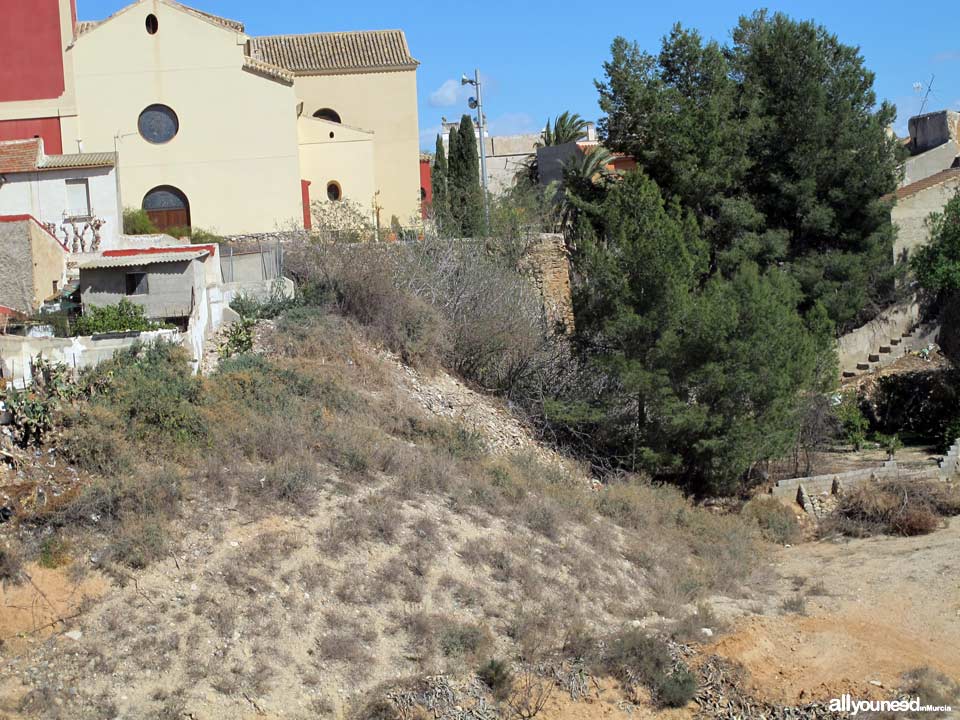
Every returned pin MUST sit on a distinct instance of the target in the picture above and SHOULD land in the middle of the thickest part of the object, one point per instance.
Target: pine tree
(438, 179)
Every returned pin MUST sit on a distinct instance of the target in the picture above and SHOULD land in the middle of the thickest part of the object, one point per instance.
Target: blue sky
(538, 59)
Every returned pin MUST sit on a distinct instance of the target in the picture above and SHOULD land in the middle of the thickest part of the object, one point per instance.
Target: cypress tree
(472, 223)
(438, 180)
(454, 185)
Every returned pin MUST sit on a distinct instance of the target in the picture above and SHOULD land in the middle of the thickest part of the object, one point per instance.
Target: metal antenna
(926, 95)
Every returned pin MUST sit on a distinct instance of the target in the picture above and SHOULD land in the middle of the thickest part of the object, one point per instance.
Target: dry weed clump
(777, 522)
(906, 508)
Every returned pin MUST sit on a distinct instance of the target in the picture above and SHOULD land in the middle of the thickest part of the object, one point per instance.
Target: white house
(74, 196)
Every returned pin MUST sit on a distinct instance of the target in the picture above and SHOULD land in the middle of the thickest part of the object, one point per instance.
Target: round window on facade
(333, 191)
(152, 24)
(158, 124)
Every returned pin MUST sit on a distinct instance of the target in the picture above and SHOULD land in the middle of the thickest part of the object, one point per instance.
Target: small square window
(137, 284)
(78, 198)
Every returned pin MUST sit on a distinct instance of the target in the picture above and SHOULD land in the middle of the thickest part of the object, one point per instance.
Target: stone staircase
(913, 340)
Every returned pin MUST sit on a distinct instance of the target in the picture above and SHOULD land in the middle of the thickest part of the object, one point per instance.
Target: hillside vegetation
(296, 531)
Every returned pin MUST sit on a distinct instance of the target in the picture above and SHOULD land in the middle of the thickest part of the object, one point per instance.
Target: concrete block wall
(884, 331)
(951, 462)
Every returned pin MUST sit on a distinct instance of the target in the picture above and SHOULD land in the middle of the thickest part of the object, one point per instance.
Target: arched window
(167, 207)
(334, 192)
(327, 114)
(158, 124)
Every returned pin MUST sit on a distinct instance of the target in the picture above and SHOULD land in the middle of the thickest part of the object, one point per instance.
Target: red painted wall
(31, 59)
(305, 199)
(47, 128)
(426, 186)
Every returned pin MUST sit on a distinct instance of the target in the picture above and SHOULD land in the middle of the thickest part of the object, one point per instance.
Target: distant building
(508, 155)
(213, 127)
(934, 145)
(931, 178)
(73, 196)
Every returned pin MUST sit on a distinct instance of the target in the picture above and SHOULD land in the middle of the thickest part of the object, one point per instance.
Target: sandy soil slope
(893, 605)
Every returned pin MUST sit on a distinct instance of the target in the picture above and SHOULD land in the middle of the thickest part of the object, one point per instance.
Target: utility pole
(477, 104)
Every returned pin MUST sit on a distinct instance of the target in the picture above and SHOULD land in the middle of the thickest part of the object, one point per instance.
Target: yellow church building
(217, 129)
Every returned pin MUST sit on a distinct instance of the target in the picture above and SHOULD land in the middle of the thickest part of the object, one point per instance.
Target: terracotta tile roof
(28, 156)
(330, 53)
(85, 26)
(77, 160)
(274, 72)
(216, 19)
(928, 182)
(19, 156)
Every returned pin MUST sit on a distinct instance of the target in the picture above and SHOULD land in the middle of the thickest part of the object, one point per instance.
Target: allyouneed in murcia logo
(845, 703)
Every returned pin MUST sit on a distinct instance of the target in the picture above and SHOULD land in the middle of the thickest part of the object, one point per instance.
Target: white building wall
(44, 196)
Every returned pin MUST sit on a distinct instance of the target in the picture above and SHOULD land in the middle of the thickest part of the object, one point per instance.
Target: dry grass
(328, 532)
(894, 508)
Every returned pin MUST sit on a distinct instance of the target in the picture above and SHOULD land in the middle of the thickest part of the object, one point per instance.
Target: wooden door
(166, 219)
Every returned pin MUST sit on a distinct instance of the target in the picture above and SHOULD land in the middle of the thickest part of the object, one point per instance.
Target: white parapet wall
(18, 353)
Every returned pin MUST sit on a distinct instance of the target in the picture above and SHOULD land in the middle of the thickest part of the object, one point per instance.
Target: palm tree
(584, 176)
(567, 128)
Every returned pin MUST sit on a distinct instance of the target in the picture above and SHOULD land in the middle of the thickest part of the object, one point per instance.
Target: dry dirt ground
(264, 616)
(875, 608)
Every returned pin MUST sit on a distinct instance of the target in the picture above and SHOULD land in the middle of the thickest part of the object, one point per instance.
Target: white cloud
(947, 56)
(446, 95)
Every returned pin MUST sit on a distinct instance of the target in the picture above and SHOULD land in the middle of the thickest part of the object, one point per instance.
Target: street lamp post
(477, 104)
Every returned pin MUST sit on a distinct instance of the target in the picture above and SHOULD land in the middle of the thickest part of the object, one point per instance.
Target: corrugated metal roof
(144, 259)
(327, 53)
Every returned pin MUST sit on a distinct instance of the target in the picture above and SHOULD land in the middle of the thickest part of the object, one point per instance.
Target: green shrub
(93, 439)
(153, 392)
(777, 522)
(196, 236)
(497, 676)
(123, 317)
(852, 421)
(460, 639)
(54, 553)
(137, 222)
(890, 443)
(676, 689)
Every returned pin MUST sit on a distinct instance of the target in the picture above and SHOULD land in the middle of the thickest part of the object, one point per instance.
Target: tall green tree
(776, 143)
(454, 185)
(467, 198)
(703, 379)
(440, 202)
